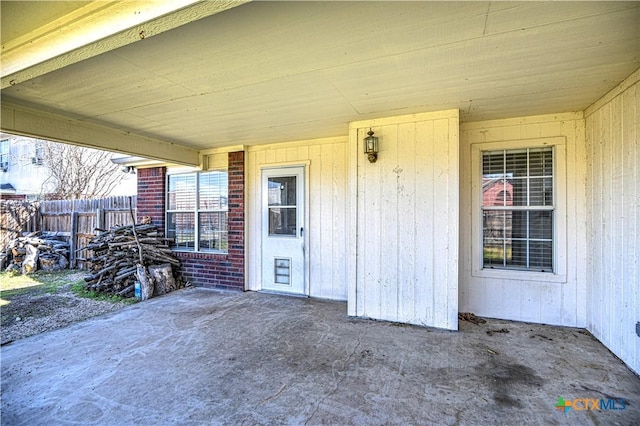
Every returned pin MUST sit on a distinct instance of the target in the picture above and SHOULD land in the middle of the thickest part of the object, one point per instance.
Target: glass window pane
(518, 259)
(493, 164)
(541, 191)
(541, 256)
(518, 239)
(282, 191)
(282, 221)
(496, 238)
(541, 225)
(182, 192)
(516, 163)
(497, 192)
(493, 252)
(519, 188)
(523, 238)
(212, 231)
(213, 191)
(519, 224)
(541, 162)
(181, 228)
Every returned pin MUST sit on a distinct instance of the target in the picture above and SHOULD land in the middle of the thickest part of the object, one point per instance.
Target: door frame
(305, 165)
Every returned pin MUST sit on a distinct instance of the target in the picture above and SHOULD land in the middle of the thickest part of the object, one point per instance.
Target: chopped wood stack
(45, 251)
(115, 258)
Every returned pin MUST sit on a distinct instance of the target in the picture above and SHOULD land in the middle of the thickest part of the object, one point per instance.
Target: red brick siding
(151, 194)
(13, 197)
(203, 269)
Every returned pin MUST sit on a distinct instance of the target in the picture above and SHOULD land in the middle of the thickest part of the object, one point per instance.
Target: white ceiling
(279, 71)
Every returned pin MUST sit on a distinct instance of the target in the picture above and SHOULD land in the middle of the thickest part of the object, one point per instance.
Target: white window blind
(518, 209)
(197, 211)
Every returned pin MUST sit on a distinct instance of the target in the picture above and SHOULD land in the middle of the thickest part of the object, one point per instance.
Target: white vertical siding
(406, 235)
(327, 206)
(560, 302)
(613, 187)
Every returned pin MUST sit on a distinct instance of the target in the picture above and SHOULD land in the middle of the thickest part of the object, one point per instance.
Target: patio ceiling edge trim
(23, 121)
(72, 41)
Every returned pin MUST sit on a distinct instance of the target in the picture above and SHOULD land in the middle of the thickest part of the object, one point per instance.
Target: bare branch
(76, 172)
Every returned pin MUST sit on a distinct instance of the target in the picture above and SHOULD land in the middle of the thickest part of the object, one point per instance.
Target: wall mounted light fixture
(371, 146)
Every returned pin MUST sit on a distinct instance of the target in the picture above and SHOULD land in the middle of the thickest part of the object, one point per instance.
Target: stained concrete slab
(201, 356)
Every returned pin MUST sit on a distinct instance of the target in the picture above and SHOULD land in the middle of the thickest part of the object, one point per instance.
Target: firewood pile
(122, 254)
(45, 251)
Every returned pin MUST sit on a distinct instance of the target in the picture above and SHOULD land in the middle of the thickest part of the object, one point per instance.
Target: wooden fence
(17, 217)
(76, 219)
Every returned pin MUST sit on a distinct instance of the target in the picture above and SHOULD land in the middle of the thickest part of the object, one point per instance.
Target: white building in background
(23, 171)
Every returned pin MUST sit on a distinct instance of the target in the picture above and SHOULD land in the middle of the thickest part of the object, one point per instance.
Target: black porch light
(371, 146)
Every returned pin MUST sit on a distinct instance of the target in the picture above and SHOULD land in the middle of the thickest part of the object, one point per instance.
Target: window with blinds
(197, 211)
(518, 209)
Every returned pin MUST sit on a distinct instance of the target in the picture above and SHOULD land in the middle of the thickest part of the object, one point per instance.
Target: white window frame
(38, 154)
(559, 273)
(196, 211)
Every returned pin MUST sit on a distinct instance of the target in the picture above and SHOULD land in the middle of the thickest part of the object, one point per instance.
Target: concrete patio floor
(201, 356)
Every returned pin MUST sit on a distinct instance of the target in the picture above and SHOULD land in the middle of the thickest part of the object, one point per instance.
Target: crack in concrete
(336, 382)
(275, 395)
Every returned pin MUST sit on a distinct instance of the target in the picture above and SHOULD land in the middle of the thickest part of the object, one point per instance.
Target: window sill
(505, 274)
(213, 252)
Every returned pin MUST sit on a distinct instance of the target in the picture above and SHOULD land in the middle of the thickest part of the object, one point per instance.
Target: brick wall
(151, 194)
(13, 197)
(203, 269)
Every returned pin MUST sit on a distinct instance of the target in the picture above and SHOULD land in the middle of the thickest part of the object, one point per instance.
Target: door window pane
(282, 191)
(282, 221)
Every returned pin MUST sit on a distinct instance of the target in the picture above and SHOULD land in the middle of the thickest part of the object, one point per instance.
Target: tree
(77, 172)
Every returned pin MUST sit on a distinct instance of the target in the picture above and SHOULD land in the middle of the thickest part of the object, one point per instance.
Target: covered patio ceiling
(175, 83)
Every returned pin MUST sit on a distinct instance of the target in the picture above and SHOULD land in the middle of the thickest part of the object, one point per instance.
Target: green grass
(80, 289)
(12, 285)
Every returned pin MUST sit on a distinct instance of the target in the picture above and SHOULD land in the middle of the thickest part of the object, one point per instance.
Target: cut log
(37, 250)
(126, 290)
(163, 278)
(114, 255)
(30, 262)
(146, 282)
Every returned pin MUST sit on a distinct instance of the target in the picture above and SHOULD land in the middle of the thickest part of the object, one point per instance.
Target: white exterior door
(283, 230)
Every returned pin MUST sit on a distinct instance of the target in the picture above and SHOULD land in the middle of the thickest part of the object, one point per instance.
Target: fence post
(100, 218)
(73, 240)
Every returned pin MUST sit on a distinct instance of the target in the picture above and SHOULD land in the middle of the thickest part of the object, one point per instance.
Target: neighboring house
(22, 171)
(506, 180)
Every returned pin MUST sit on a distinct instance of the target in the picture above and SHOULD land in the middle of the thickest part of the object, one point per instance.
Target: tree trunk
(163, 277)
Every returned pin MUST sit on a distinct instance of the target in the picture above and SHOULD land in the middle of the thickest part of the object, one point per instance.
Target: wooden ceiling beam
(23, 121)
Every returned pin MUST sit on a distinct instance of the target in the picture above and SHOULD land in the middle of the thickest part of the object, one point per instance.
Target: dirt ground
(35, 310)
